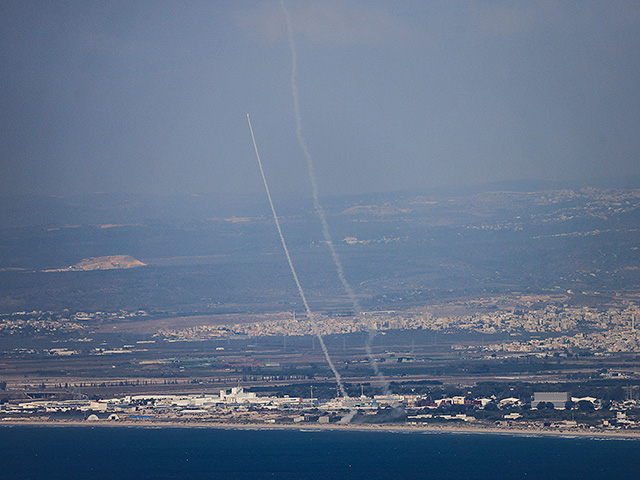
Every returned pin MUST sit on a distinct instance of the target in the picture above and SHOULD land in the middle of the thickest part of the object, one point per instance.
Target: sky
(151, 96)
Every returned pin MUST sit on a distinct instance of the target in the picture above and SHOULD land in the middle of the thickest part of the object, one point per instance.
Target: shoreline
(390, 428)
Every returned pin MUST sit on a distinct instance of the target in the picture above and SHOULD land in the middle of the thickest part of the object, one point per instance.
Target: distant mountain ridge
(119, 209)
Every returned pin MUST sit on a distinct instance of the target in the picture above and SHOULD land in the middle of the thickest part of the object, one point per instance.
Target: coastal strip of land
(397, 428)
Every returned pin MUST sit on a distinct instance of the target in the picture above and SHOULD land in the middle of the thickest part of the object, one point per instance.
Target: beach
(389, 427)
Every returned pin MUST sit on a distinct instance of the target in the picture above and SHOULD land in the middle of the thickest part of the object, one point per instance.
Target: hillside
(111, 262)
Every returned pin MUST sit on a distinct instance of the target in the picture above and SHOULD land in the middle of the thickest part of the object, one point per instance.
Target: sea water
(82, 452)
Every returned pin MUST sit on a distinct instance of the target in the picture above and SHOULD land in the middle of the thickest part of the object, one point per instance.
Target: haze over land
(151, 97)
(399, 249)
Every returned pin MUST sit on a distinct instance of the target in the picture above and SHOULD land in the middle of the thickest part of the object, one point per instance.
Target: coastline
(308, 427)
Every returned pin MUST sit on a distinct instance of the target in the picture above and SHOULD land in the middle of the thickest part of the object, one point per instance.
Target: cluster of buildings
(607, 330)
(174, 406)
(37, 325)
(50, 323)
(240, 406)
(573, 328)
(299, 326)
(618, 340)
(571, 204)
(593, 202)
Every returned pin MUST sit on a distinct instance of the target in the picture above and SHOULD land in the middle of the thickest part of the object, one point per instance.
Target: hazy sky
(152, 97)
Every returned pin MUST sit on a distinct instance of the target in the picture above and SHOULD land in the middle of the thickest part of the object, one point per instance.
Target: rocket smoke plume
(310, 314)
(318, 206)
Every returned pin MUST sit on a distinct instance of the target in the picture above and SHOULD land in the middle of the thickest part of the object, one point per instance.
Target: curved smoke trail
(310, 314)
(318, 206)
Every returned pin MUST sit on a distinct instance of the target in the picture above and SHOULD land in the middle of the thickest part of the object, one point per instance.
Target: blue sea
(81, 452)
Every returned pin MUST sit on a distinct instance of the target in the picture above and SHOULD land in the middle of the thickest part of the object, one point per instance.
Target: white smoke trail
(318, 206)
(310, 314)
